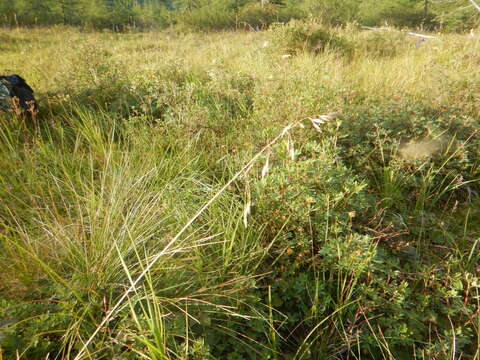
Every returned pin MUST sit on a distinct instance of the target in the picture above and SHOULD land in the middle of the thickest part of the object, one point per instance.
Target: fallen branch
(422, 35)
(408, 33)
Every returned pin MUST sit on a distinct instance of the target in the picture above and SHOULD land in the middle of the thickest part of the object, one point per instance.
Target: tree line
(224, 14)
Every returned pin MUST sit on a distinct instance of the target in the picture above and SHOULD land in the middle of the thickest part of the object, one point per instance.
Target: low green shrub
(307, 202)
(99, 78)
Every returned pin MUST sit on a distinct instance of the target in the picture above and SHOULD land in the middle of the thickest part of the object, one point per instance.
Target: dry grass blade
(475, 4)
(246, 212)
(322, 119)
(291, 149)
(266, 167)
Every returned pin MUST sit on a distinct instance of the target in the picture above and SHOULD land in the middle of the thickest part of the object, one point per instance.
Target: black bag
(14, 90)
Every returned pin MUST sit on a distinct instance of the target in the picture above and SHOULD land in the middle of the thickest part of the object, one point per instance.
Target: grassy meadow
(296, 193)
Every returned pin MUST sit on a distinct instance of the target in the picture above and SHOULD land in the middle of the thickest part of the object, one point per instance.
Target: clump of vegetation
(298, 36)
(378, 43)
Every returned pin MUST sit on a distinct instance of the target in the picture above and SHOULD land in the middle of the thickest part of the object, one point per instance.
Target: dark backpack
(13, 88)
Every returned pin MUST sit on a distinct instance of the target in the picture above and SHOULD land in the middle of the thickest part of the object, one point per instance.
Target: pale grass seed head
(322, 119)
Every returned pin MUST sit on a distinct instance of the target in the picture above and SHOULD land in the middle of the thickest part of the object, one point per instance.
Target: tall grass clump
(382, 43)
(106, 213)
(298, 36)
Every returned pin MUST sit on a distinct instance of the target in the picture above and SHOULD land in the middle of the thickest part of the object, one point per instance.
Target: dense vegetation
(121, 15)
(340, 168)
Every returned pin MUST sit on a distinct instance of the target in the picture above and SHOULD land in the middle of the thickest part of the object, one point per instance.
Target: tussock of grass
(347, 234)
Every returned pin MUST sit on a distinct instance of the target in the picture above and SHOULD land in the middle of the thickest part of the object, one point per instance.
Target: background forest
(228, 14)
